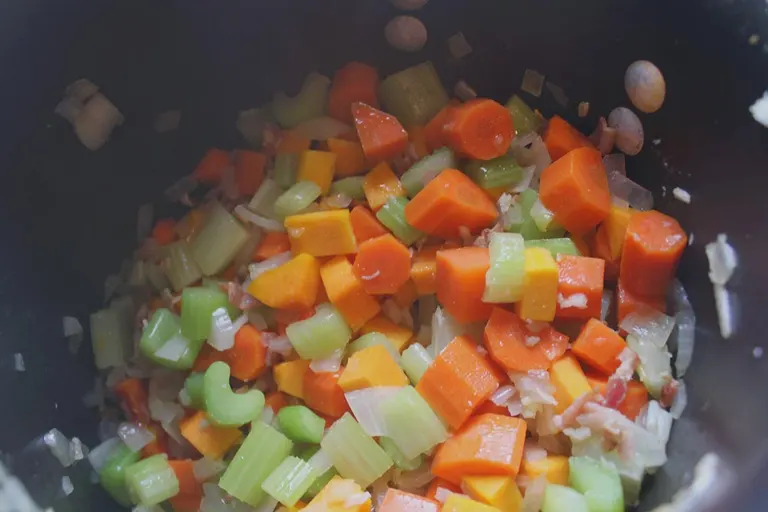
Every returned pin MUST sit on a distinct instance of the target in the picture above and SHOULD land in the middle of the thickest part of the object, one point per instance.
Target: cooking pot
(70, 214)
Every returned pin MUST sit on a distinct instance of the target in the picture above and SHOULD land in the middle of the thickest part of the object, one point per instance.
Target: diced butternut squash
(317, 166)
(289, 377)
(497, 491)
(553, 467)
(615, 226)
(381, 184)
(334, 496)
(424, 270)
(406, 295)
(327, 233)
(372, 367)
(400, 336)
(346, 292)
(292, 285)
(211, 441)
(350, 159)
(459, 503)
(569, 381)
(400, 501)
(539, 300)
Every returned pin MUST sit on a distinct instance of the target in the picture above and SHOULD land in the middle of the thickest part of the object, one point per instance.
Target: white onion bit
(18, 362)
(759, 110)
(533, 82)
(458, 46)
(135, 436)
(681, 195)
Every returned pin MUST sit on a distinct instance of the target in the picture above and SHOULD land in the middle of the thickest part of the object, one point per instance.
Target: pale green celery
(370, 340)
(598, 482)
(297, 198)
(262, 451)
(350, 187)
(543, 217)
(525, 120)
(193, 386)
(156, 276)
(320, 335)
(218, 241)
(555, 246)
(558, 498)
(308, 104)
(224, 407)
(401, 461)
(289, 481)
(505, 277)
(415, 361)
(300, 424)
(321, 481)
(110, 340)
(263, 201)
(528, 227)
(499, 172)
(392, 215)
(180, 267)
(411, 423)
(415, 95)
(164, 327)
(286, 166)
(112, 474)
(354, 453)
(426, 169)
(151, 481)
(197, 307)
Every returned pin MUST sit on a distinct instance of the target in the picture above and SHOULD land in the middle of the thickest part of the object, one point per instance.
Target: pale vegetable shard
(505, 277)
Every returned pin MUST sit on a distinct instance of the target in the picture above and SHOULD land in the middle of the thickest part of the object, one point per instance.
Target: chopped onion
(583, 109)
(18, 362)
(655, 368)
(681, 195)
(535, 389)
(558, 93)
(533, 82)
(578, 434)
(502, 395)
(627, 190)
(577, 300)
(541, 216)
(534, 495)
(330, 364)
(685, 319)
(680, 401)
(66, 485)
(99, 455)
(355, 500)
(413, 481)
(320, 462)
(59, 445)
(463, 91)
(533, 452)
(656, 420)
(615, 162)
(458, 46)
(95, 122)
(724, 317)
(256, 269)
(722, 260)
(442, 494)
(267, 415)
(173, 349)
(759, 109)
(605, 307)
(256, 319)
(167, 121)
(135, 436)
(267, 224)
(73, 331)
(338, 200)
(321, 128)
(223, 329)
(277, 344)
(365, 404)
(444, 329)
(164, 411)
(206, 468)
(649, 325)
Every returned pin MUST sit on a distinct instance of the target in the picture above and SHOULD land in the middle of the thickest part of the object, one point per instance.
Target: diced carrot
(276, 400)
(578, 275)
(516, 348)
(435, 129)
(481, 129)
(406, 295)
(599, 346)
(601, 248)
(134, 398)
(211, 168)
(159, 445)
(185, 474)
(569, 382)
(185, 503)
(450, 204)
(272, 244)
(211, 441)
(164, 231)
(247, 358)
(365, 224)
(628, 302)
(615, 226)
(634, 401)
(293, 143)
(206, 357)
(383, 264)
(325, 233)
(347, 292)
(424, 268)
(249, 171)
(322, 393)
(380, 184)
(400, 336)
(418, 137)
(461, 283)
(382, 135)
(293, 285)
(561, 138)
(355, 82)
(457, 382)
(653, 245)
(489, 407)
(582, 243)
(575, 189)
(490, 444)
(400, 501)
(289, 377)
(440, 483)
(350, 159)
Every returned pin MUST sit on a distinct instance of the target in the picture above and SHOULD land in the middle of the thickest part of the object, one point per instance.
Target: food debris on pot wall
(406, 33)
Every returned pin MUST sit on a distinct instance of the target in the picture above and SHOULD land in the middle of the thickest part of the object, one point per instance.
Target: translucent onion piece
(577, 300)
(135, 436)
(533, 82)
(414, 480)
(533, 452)
(605, 307)
(657, 421)
(681, 195)
(534, 495)
(223, 329)
(267, 224)
(627, 190)
(95, 122)
(724, 316)
(99, 455)
(535, 389)
(278, 344)
(649, 325)
(321, 128)
(722, 260)
(330, 364)
(205, 468)
(173, 349)
(502, 395)
(320, 462)
(164, 411)
(59, 445)
(655, 369)
(683, 340)
(256, 269)
(616, 162)
(444, 329)
(458, 46)
(365, 405)
(541, 216)
(558, 93)
(680, 401)
(355, 500)
(759, 109)
(463, 91)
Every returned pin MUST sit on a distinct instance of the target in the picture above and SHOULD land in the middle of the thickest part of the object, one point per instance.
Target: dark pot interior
(71, 214)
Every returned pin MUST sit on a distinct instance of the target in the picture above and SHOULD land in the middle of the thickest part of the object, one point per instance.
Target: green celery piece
(415, 361)
(505, 277)
(297, 198)
(194, 385)
(558, 498)
(392, 215)
(556, 246)
(401, 461)
(308, 104)
(300, 424)
(499, 172)
(321, 481)
(286, 167)
(226, 408)
(197, 307)
(151, 481)
(543, 217)
(181, 269)
(219, 240)
(411, 423)
(426, 169)
(263, 201)
(320, 335)
(354, 453)
(524, 118)
(262, 451)
(350, 187)
(163, 327)
(289, 481)
(528, 228)
(598, 482)
(110, 340)
(414, 95)
(370, 340)
(112, 474)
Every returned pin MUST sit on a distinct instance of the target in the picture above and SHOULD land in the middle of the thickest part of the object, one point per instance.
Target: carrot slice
(577, 276)
(434, 132)
(634, 401)
(322, 393)
(653, 246)
(164, 231)
(365, 224)
(424, 268)
(383, 264)
(274, 243)
(134, 398)
(460, 279)
(562, 138)
(628, 302)
(599, 346)
(515, 347)
(185, 474)
(211, 168)
(382, 135)
(481, 129)
(249, 171)
(355, 82)
(575, 189)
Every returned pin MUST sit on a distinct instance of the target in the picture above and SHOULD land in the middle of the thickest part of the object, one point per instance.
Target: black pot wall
(70, 214)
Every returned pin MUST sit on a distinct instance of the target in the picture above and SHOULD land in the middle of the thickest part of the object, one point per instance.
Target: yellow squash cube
(380, 184)
(459, 503)
(399, 336)
(569, 381)
(497, 491)
(539, 300)
(334, 496)
(371, 367)
(289, 377)
(317, 166)
(553, 467)
(327, 233)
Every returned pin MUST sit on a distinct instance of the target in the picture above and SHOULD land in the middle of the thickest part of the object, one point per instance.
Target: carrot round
(383, 264)
(628, 302)
(365, 224)
(212, 166)
(382, 135)
(481, 129)
(355, 82)
(652, 249)
(578, 275)
(460, 280)
(575, 189)
(323, 394)
(600, 247)
(247, 358)
(434, 132)
(562, 138)
(599, 346)
(164, 231)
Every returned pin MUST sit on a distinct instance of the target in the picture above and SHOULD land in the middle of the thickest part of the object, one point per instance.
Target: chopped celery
(286, 167)
(499, 172)
(598, 482)
(423, 171)
(218, 241)
(320, 335)
(110, 339)
(262, 451)
(504, 279)
(401, 461)
(543, 217)
(226, 408)
(193, 387)
(300, 424)
(558, 498)
(524, 118)
(350, 187)
(555, 246)
(415, 95)
(163, 330)
(411, 424)
(528, 227)
(415, 361)
(392, 215)
(289, 481)
(151, 481)
(354, 453)
(372, 339)
(112, 474)
(308, 104)
(180, 267)
(322, 480)
(297, 198)
(263, 201)
(197, 307)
